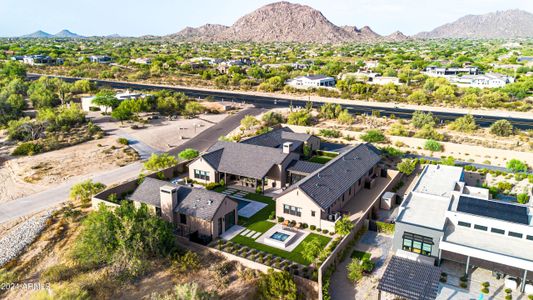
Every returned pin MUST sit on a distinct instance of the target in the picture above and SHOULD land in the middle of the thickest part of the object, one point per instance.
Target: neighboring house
(195, 212)
(141, 61)
(101, 59)
(87, 102)
(318, 198)
(444, 219)
(261, 161)
(489, 80)
(525, 59)
(41, 60)
(17, 58)
(435, 71)
(209, 60)
(312, 81)
(362, 76)
(382, 80)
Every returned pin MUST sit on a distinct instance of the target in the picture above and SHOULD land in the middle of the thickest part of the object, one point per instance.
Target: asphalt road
(272, 102)
(57, 195)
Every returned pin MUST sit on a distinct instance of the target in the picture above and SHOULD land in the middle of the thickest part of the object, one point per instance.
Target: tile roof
(277, 137)
(244, 159)
(303, 167)
(328, 183)
(199, 203)
(410, 279)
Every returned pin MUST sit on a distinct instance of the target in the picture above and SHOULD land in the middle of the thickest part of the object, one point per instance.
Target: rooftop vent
(209, 202)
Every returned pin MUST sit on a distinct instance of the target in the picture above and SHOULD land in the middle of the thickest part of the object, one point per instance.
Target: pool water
(242, 203)
(279, 236)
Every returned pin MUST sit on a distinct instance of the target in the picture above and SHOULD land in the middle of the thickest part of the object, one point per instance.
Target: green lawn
(295, 255)
(360, 255)
(220, 189)
(260, 226)
(320, 159)
(260, 216)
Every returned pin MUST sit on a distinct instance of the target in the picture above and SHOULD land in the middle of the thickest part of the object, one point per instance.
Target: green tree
(448, 161)
(418, 97)
(515, 166)
(122, 113)
(344, 226)
(82, 86)
(107, 99)
(188, 154)
(421, 119)
(502, 128)
(433, 146)
(272, 118)
(407, 166)
(84, 191)
(345, 118)
(397, 129)
(428, 132)
(301, 117)
(355, 270)
(311, 249)
(373, 136)
(248, 122)
(277, 286)
(464, 124)
(158, 162)
(193, 108)
(330, 111)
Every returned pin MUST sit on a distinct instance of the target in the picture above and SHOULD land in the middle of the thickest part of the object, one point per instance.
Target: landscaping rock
(18, 238)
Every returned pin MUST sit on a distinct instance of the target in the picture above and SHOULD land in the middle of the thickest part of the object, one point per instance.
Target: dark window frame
(480, 227)
(464, 224)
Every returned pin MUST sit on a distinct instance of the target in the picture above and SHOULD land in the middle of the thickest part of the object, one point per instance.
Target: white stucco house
(88, 105)
(312, 81)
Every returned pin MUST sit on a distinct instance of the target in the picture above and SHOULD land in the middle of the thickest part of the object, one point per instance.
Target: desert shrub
(373, 136)
(522, 198)
(56, 273)
(331, 133)
(186, 262)
(502, 128)
(277, 285)
(186, 291)
(421, 119)
(515, 165)
(407, 166)
(428, 132)
(391, 151)
(464, 124)
(123, 141)
(84, 191)
(433, 146)
(27, 148)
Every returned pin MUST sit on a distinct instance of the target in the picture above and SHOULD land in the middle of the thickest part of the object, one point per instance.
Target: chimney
(169, 201)
(287, 147)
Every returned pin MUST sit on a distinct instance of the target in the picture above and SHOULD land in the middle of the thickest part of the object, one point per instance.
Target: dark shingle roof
(194, 202)
(303, 167)
(148, 191)
(277, 137)
(244, 159)
(199, 203)
(493, 209)
(327, 184)
(410, 279)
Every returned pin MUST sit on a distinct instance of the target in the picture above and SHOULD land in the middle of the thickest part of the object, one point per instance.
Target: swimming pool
(279, 236)
(242, 203)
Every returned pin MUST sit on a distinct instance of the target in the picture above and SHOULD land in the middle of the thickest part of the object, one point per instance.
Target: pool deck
(300, 236)
(251, 209)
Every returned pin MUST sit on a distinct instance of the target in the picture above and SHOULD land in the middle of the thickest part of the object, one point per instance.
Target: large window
(496, 230)
(203, 175)
(515, 234)
(292, 210)
(464, 224)
(417, 243)
(480, 227)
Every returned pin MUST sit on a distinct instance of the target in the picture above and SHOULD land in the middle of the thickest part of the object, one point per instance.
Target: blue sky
(136, 17)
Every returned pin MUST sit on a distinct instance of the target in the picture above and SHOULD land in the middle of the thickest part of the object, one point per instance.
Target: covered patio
(408, 279)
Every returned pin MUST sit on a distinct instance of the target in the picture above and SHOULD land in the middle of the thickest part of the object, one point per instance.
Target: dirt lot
(22, 176)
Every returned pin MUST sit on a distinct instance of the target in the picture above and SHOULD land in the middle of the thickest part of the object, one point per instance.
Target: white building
(435, 71)
(443, 219)
(312, 81)
(40, 60)
(489, 80)
(101, 59)
(87, 102)
(141, 61)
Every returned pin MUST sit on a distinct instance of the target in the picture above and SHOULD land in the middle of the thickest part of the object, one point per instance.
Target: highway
(483, 120)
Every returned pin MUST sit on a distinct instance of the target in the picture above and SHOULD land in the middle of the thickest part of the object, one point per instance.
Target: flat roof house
(195, 212)
(101, 59)
(444, 219)
(260, 161)
(489, 80)
(318, 199)
(40, 60)
(312, 81)
(88, 105)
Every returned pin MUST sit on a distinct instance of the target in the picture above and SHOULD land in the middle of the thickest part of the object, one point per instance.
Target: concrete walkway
(232, 232)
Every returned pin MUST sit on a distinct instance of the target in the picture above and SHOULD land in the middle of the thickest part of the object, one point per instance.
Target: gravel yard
(22, 235)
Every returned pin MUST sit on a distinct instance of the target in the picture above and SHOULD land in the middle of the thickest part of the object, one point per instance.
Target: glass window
(407, 244)
(515, 234)
(426, 249)
(312, 213)
(417, 247)
(480, 227)
(529, 237)
(498, 231)
(464, 224)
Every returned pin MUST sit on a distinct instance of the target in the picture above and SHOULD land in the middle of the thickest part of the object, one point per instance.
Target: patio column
(440, 257)
(467, 265)
(522, 288)
(263, 185)
(225, 179)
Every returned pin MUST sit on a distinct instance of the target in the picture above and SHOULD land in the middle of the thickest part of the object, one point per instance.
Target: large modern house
(88, 105)
(318, 198)
(312, 81)
(194, 211)
(261, 161)
(444, 219)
